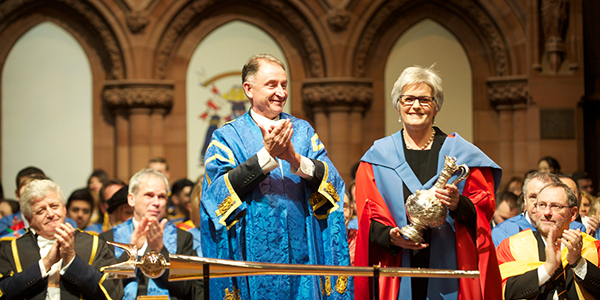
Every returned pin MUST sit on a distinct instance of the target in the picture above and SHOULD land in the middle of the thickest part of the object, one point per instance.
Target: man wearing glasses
(565, 265)
(527, 220)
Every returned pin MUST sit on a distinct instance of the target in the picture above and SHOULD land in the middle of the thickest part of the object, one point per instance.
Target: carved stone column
(337, 106)
(509, 96)
(139, 108)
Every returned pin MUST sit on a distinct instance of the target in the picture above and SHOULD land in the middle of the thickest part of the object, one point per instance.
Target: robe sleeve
(220, 200)
(480, 189)
(371, 207)
(326, 188)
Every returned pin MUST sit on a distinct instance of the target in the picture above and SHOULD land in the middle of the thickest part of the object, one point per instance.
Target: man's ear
(574, 211)
(247, 89)
(130, 199)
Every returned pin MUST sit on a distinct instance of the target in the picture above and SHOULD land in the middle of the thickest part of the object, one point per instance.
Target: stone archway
(98, 39)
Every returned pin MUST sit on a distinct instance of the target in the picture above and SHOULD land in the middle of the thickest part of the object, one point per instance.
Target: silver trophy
(424, 209)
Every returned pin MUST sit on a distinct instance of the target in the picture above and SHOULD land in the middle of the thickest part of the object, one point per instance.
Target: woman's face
(347, 208)
(585, 206)
(515, 187)
(95, 184)
(417, 115)
(543, 166)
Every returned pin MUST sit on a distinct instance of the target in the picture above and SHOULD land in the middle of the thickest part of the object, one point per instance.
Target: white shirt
(45, 245)
(268, 163)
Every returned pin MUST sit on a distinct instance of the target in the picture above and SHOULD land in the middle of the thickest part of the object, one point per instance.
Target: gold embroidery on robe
(341, 284)
(328, 289)
(233, 295)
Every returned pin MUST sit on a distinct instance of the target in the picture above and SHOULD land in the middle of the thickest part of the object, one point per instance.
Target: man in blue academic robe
(149, 230)
(271, 194)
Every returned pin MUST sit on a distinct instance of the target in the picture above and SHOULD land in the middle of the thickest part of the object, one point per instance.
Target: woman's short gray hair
(136, 179)
(418, 74)
(36, 190)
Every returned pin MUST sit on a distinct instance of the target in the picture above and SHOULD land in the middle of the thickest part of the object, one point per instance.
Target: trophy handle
(464, 173)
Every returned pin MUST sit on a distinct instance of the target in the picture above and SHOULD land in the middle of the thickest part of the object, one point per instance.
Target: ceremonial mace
(185, 267)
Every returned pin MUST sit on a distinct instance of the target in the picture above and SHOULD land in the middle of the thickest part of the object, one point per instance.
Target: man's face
(559, 216)
(184, 198)
(571, 184)
(160, 167)
(150, 200)
(533, 188)
(47, 214)
(503, 212)
(585, 185)
(80, 211)
(267, 89)
(5, 209)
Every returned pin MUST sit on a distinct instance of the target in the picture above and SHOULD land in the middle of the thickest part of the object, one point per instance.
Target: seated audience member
(565, 265)
(588, 217)
(149, 230)
(118, 210)
(8, 207)
(161, 165)
(180, 197)
(584, 180)
(16, 220)
(507, 206)
(10, 220)
(193, 224)
(104, 223)
(79, 207)
(515, 186)
(527, 220)
(549, 164)
(18, 223)
(53, 260)
(95, 182)
(572, 184)
(351, 219)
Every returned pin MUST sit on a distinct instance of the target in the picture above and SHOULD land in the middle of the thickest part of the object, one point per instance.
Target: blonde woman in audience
(587, 202)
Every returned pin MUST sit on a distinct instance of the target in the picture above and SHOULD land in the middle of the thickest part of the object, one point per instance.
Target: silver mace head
(152, 264)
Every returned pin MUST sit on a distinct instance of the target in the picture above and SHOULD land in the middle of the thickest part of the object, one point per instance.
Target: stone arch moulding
(481, 25)
(290, 22)
(77, 16)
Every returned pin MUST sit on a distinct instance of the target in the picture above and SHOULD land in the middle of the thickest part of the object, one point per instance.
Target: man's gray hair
(253, 63)
(136, 179)
(418, 74)
(571, 197)
(36, 190)
(542, 177)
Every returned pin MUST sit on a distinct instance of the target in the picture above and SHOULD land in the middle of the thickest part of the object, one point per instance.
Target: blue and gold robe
(275, 218)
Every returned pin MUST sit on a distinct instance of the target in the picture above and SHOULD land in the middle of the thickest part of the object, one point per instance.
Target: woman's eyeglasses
(409, 100)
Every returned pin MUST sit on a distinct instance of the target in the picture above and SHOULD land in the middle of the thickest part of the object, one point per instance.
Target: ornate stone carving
(138, 94)
(473, 12)
(137, 20)
(507, 91)
(338, 19)
(328, 92)
(554, 15)
(111, 54)
(186, 17)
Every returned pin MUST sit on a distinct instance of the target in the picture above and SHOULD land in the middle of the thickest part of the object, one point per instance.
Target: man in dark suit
(565, 265)
(149, 230)
(52, 260)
